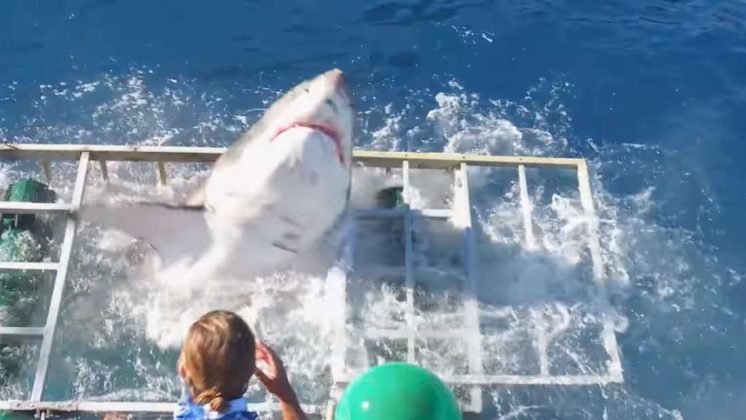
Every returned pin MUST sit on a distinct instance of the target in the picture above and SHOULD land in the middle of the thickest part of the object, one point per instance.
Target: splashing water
(119, 332)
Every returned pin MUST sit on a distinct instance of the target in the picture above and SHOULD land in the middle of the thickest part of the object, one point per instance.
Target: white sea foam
(120, 330)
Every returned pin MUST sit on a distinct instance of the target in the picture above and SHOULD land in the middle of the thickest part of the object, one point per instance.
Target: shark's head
(322, 104)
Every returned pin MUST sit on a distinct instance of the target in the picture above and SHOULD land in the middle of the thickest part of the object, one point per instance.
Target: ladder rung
(377, 272)
(491, 380)
(127, 406)
(41, 266)
(26, 207)
(399, 212)
(433, 271)
(401, 334)
(22, 332)
(380, 213)
(434, 213)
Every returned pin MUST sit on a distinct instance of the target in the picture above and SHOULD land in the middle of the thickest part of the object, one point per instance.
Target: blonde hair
(218, 358)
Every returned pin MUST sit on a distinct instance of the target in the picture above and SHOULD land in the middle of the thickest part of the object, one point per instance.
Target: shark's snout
(335, 75)
(337, 79)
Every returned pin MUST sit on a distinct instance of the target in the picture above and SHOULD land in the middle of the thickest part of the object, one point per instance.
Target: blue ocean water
(650, 92)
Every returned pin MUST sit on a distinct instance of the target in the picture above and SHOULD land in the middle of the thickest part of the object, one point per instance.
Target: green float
(398, 391)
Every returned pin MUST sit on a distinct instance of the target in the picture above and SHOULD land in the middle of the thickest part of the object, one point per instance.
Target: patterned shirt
(237, 410)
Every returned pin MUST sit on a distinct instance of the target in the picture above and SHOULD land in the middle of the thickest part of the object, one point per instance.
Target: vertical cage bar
(540, 340)
(470, 290)
(526, 209)
(336, 290)
(608, 335)
(409, 280)
(104, 169)
(162, 176)
(59, 282)
(594, 244)
(45, 166)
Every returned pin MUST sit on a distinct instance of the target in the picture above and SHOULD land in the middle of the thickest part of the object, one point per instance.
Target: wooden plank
(209, 154)
(37, 266)
(59, 283)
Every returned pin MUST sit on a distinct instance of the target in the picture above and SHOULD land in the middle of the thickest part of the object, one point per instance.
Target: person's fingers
(261, 351)
(274, 363)
(263, 378)
(267, 350)
(271, 359)
(275, 358)
(263, 355)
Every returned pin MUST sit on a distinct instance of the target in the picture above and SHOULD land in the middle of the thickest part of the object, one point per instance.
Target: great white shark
(274, 194)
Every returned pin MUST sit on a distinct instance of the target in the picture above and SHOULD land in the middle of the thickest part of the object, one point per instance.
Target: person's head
(217, 359)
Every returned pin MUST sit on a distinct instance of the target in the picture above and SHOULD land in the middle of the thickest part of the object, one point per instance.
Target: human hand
(276, 380)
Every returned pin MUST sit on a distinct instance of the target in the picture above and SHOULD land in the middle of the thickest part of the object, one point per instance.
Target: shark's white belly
(276, 203)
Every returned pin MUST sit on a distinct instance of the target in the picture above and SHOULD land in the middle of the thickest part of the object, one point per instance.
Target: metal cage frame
(457, 163)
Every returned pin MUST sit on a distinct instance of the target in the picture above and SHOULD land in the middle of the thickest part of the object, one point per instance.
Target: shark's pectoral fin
(174, 231)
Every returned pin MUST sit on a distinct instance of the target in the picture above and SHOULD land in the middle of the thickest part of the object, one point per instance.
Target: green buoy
(26, 190)
(398, 391)
(22, 239)
(390, 198)
(7, 415)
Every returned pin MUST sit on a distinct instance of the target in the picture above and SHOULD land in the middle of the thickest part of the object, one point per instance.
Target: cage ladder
(46, 333)
(469, 332)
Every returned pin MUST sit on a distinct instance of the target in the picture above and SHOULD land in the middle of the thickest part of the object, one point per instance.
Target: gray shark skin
(273, 195)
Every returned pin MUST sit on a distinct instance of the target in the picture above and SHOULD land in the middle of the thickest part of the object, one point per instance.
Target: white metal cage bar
(59, 283)
(22, 332)
(72, 407)
(40, 266)
(409, 279)
(526, 209)
(457, 163)
(336, 288)
(61, 152)
(470, 291)
(608, 336)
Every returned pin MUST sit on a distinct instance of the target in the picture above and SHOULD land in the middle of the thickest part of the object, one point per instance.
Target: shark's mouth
(330, 132)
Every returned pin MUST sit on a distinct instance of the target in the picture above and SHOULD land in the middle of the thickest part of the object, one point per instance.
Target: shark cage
(358, 342)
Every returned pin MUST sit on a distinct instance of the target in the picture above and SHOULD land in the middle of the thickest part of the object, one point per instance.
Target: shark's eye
(332, 105)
